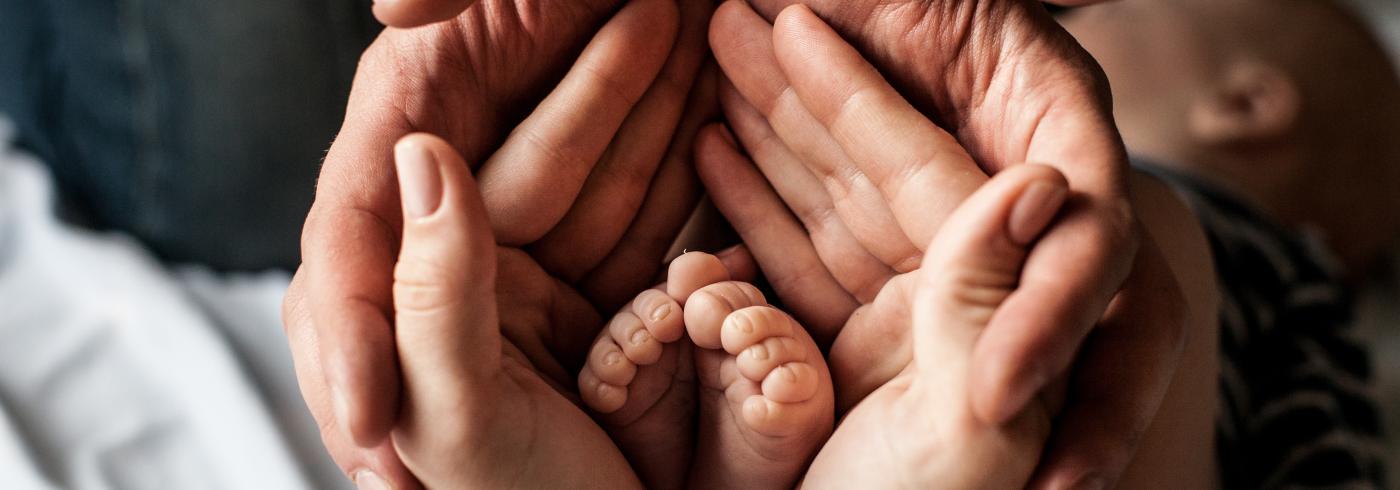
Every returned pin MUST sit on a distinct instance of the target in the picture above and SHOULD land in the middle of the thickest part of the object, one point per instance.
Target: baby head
(1294, 104)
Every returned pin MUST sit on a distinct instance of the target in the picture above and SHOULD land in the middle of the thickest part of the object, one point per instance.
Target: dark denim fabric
(197, 126)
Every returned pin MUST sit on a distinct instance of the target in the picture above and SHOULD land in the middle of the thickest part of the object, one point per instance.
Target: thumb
(974, 263)
(444, 283)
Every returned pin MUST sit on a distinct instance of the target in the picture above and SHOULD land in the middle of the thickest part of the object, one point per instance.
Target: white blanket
(116, 373)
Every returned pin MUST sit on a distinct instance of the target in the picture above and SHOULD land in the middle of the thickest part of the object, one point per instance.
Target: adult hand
(478, 411)
(589, 190)
(869, 178)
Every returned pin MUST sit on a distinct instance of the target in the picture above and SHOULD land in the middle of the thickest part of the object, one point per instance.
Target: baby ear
(1253, 101)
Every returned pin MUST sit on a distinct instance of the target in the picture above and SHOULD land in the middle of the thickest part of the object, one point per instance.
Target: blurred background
(157, 159)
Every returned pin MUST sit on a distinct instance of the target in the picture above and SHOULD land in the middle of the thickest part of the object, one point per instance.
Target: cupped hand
(588, 191)
(869, 179)
(918, 429)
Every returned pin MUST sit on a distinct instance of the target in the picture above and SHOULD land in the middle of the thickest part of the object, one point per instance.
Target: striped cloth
(1297, 407)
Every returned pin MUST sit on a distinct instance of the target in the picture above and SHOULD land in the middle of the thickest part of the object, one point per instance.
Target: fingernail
(1034, 210)
(368, 480)
(420, 180)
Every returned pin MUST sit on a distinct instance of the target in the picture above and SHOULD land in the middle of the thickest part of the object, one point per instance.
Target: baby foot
(766, 401)
(640, 380)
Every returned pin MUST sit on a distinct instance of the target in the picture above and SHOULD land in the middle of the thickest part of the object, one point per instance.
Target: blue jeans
(197, 126)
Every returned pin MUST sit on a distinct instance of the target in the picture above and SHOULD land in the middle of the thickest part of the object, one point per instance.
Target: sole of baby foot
(639, 378)
(766, 401)
(640, 383)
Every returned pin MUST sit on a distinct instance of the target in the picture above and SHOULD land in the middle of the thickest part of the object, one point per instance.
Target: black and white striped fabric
(1296, 400)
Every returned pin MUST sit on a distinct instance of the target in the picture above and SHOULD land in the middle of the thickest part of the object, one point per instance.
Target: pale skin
(749, 374)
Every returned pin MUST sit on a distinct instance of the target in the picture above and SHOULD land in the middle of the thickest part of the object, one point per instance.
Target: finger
(444, 285)
(1110, 408)
(378, 463)
(530, 183)
(414, 13)
(921, 170)
(615, 190)
(671, 200)
(349, 261)
(740, 263)
(743, 45)
(858, 271)
(975, 263)
(782, 248)
(1038, 332)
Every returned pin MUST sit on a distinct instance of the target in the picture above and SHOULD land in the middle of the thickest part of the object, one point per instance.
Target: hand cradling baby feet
(701, 383)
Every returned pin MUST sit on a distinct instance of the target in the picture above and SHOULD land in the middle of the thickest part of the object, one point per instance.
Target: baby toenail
(788, 374)
(758, 352)
(756, 408)
(640, 337)
(743, 324)
(612, 358)
(660, 313)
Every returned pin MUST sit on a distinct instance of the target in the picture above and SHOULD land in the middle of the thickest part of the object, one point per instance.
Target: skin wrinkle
(419, 89)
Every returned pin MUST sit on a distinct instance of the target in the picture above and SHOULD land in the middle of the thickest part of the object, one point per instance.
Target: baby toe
(693, 271)
(630, 333)
(661, 314)
(759, 359)
(707, 309)
(746, 327)
(609, 363)
(793, 382)
(690, 272)
(602, 397)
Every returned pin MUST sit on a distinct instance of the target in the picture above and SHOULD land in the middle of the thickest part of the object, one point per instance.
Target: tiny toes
(762, 358)
(661, 315)
(707, 309)
(693, 271)
(749, 326)
(602, 397)
(637, 342)
(792, 383)
(610, 364)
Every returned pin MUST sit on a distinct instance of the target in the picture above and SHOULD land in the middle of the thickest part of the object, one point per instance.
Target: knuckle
(972, 294)
(424, 286)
